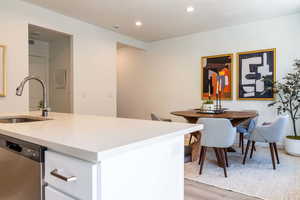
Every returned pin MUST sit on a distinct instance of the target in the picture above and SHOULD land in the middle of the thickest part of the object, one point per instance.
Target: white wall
(131, 83)
(171, 68)
(94, 58)
(60, 58)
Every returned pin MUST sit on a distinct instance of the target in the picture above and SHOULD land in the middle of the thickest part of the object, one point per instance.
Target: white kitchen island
(107, 158)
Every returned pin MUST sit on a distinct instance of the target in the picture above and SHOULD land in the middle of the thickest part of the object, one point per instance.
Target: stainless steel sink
(21, 119)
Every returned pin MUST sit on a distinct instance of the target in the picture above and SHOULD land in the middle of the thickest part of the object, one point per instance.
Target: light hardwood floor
(200, 191)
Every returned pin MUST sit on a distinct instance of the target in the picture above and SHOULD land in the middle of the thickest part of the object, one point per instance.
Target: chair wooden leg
(242, 142)
(218, 157)
(222, 157)
(276, 152)
(247, 149)
(203, 159)
(272, 155)
(252, 149)
(226, 157)
(200, 156)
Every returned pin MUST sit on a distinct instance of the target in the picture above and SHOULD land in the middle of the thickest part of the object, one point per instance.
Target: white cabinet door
(52, 194)
(153, 172)
(82, 175)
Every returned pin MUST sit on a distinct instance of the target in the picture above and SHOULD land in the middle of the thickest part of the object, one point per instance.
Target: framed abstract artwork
(216, 76)
(253, 67)
(2, 72)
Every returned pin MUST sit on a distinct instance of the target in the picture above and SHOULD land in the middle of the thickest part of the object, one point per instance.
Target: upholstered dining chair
(270, 133)
(156, 118)
(218, 134)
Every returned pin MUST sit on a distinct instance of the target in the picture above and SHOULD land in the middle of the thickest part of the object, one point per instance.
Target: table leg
(196, 146)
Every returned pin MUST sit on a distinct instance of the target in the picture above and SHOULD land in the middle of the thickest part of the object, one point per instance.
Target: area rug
(256, 178)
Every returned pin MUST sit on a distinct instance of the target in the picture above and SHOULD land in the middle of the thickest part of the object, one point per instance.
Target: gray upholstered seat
(271, 133)
(218, 134)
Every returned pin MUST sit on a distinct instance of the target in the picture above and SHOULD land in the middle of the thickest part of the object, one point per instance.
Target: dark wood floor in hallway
(200, 191)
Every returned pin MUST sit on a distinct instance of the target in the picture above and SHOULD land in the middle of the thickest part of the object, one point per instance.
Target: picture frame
(252, 67)
(211, 66)
(2, 71)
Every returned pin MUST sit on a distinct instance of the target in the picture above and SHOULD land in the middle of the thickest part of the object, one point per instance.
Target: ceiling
(164, 19)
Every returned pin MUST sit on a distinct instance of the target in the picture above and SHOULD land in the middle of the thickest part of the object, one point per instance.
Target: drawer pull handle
(67, 179)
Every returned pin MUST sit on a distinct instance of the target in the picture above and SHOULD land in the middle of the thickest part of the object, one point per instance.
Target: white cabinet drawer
(82, 175)
(52, 194)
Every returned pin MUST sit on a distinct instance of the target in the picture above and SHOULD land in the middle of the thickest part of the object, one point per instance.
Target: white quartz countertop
(93, 138)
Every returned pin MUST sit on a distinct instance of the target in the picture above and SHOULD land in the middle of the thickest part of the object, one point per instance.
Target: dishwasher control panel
(25, 149)
(33, 154)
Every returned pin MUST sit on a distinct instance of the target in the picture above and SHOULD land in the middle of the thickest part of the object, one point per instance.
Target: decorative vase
(292, 146)
(208, 106)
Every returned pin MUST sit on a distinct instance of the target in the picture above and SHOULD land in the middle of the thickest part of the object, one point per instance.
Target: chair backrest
(217, 132)
(278, 128)
(247, 126)
(252, 124)
(154, 117)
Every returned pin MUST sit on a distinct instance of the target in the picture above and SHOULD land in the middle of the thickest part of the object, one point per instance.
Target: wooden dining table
(192, 116)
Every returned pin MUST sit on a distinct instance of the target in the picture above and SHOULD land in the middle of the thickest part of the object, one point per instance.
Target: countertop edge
(106, 154)
(97, 157)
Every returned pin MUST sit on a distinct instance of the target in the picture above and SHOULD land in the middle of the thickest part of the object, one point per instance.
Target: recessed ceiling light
(190, 9)
(138, 23)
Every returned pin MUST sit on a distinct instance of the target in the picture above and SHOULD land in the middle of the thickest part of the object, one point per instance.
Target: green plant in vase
(208, 104)
(287, 93)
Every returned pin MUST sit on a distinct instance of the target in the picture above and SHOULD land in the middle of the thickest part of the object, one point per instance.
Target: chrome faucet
(19, 91)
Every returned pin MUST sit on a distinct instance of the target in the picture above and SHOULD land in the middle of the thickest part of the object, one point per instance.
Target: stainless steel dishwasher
(21, 170)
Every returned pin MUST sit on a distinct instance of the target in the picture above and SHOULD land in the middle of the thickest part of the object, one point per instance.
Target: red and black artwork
(216, 72)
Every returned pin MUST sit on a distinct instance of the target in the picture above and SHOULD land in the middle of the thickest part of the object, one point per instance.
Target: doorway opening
(50, 59)
(131, 76)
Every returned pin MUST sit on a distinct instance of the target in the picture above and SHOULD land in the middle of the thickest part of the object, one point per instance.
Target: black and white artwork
(253, 67)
